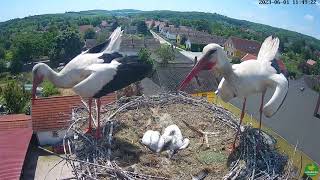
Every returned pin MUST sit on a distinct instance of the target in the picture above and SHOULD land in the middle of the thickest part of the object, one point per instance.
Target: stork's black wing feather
(107, 58)
(98, 48)
(130, 70)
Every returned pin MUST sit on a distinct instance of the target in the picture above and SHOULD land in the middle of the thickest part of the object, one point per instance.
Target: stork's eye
(212, 51)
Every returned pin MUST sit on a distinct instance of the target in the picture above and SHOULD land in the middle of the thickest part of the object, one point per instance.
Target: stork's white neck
(57, 79)
(224, 66)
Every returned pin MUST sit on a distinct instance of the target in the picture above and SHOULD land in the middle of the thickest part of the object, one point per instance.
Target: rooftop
(245, 45)
(53, 113)
(14, 121)
(13, 149)
(248, 56)
(311, 62)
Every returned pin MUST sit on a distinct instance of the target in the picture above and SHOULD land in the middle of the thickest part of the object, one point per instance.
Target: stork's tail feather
(280, 94)
(115, 41)
(269, 49)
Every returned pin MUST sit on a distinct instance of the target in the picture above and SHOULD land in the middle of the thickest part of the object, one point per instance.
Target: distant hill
(296, 47)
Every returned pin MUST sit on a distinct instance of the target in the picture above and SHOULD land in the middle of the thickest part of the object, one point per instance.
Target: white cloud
(308, 17)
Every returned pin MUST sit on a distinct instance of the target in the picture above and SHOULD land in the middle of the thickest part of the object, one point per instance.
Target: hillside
(296, 47)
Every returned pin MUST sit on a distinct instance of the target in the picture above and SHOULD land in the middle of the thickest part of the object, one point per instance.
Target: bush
(15, 98)
(166, 54)
(145, 55)
(49, 89)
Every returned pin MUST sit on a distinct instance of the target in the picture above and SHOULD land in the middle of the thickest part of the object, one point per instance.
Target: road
(188, 54)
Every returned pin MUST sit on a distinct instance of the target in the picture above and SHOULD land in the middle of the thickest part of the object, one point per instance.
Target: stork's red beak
(34, 91)
(203, 64)
(35, 83)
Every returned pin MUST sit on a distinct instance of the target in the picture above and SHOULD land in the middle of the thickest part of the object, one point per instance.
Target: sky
(301, 18)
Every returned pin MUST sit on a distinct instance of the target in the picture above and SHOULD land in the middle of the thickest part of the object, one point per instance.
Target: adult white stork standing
(95, 72)
(246, 78)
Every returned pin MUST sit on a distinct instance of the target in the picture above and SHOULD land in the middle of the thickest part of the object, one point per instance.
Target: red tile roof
(13, 148)
(248, 46)
(248, 56)
(13, 121)
(311, 62)
(84, 28)
(52, 113)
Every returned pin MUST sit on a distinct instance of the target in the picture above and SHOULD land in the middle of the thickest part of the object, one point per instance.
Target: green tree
(2, 53)
(166, 54)
(66, 46)
(115, 24)
(90, 34)
(15, 97)
(3, 67)
(15, 66)
(145, 55)
(183, 39)
(49, 89)
(142, 27)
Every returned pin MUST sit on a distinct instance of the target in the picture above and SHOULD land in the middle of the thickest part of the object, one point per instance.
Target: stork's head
(212, 58)
(39, 72)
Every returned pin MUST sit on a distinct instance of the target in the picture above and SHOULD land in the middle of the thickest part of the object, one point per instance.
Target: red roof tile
(311, 62)
(248, 56)
(52, 113)
(13, 121)
(84, 28)
(248, 46)
(13, 148)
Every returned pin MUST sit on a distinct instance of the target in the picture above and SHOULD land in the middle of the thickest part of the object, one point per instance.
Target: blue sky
(300, 18)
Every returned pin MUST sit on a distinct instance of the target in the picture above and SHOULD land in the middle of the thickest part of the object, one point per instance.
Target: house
(89, 43)
(169, 32)
(317, 53)
(196, 42)
(50, 116)
(131, 45)
(248, 56)
(131, 30)
(15, 137)
(150, 23)
(238, 47)
(97, 29)
(104, 23)
(308, 66)
(311, 63)
(84, 28)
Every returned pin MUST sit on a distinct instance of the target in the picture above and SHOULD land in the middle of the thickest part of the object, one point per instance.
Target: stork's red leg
(90, 115)
(98, 134)
(241, 118)
(261, 107)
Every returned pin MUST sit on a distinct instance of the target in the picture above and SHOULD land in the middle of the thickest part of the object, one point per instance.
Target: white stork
(246, 78)
(95, 72)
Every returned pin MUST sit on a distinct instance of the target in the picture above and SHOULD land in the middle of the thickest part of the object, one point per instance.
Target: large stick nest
(210, 128)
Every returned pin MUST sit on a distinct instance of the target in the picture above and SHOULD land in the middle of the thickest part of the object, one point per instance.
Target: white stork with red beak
(95, 72)
(246, 78)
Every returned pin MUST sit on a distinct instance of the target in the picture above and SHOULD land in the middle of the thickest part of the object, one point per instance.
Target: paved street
(188, 54)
